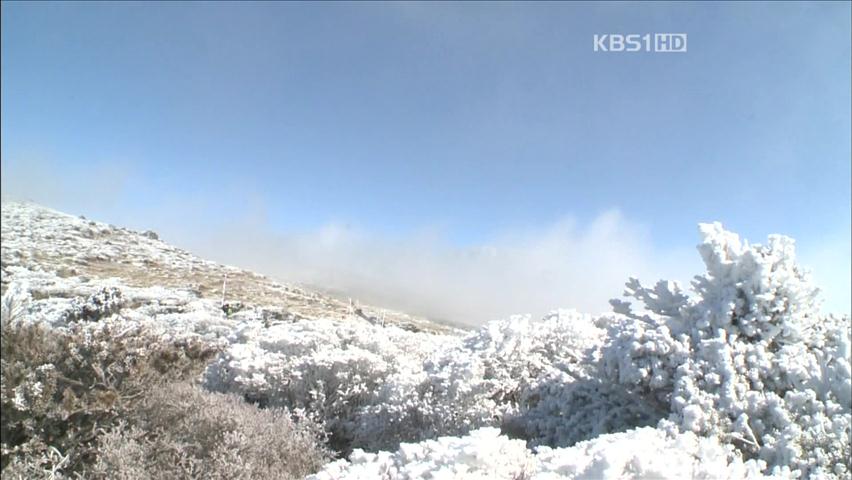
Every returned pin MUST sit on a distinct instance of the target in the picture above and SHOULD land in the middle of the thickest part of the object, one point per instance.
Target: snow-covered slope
(61, 255)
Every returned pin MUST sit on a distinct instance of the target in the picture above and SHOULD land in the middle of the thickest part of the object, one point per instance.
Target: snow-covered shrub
(58, 388)
(486, 454)
(99, 305)
(460, 387)
(746, 358)
(562, 411)
(493, 377)
(182, 431)
(329, 369)
(536, 380)
(375, 387)
(565, 400)
(14, 302)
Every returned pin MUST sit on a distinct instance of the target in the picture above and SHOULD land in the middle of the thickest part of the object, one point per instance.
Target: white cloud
(533, 271)
(565, 264)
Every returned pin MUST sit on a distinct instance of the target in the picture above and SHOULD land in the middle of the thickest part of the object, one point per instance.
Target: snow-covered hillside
(737, 377)
(60, 255)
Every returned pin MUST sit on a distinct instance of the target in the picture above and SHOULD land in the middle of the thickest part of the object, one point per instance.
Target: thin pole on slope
(224, 286)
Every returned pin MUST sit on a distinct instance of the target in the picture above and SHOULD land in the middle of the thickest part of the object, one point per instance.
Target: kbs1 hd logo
(656, 42)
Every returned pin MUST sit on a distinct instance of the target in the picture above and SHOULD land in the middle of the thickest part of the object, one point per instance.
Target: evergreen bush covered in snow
(375, 387)
(59, 389)
(744, 360)
(182, 431)
(101, 304)
(748, 359)
(329, 369)
(114, 399)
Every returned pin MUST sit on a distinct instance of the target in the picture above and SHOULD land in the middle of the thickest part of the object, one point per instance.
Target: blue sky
(467, 123)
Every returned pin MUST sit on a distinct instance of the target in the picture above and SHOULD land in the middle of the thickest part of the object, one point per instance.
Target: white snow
(738, 376)
(486, 454)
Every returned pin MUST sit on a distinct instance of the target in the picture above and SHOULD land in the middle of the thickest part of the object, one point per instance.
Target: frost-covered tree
(746, 357)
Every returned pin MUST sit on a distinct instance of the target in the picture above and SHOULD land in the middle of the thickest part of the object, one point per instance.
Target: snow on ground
(486, 454)
(737, 377)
